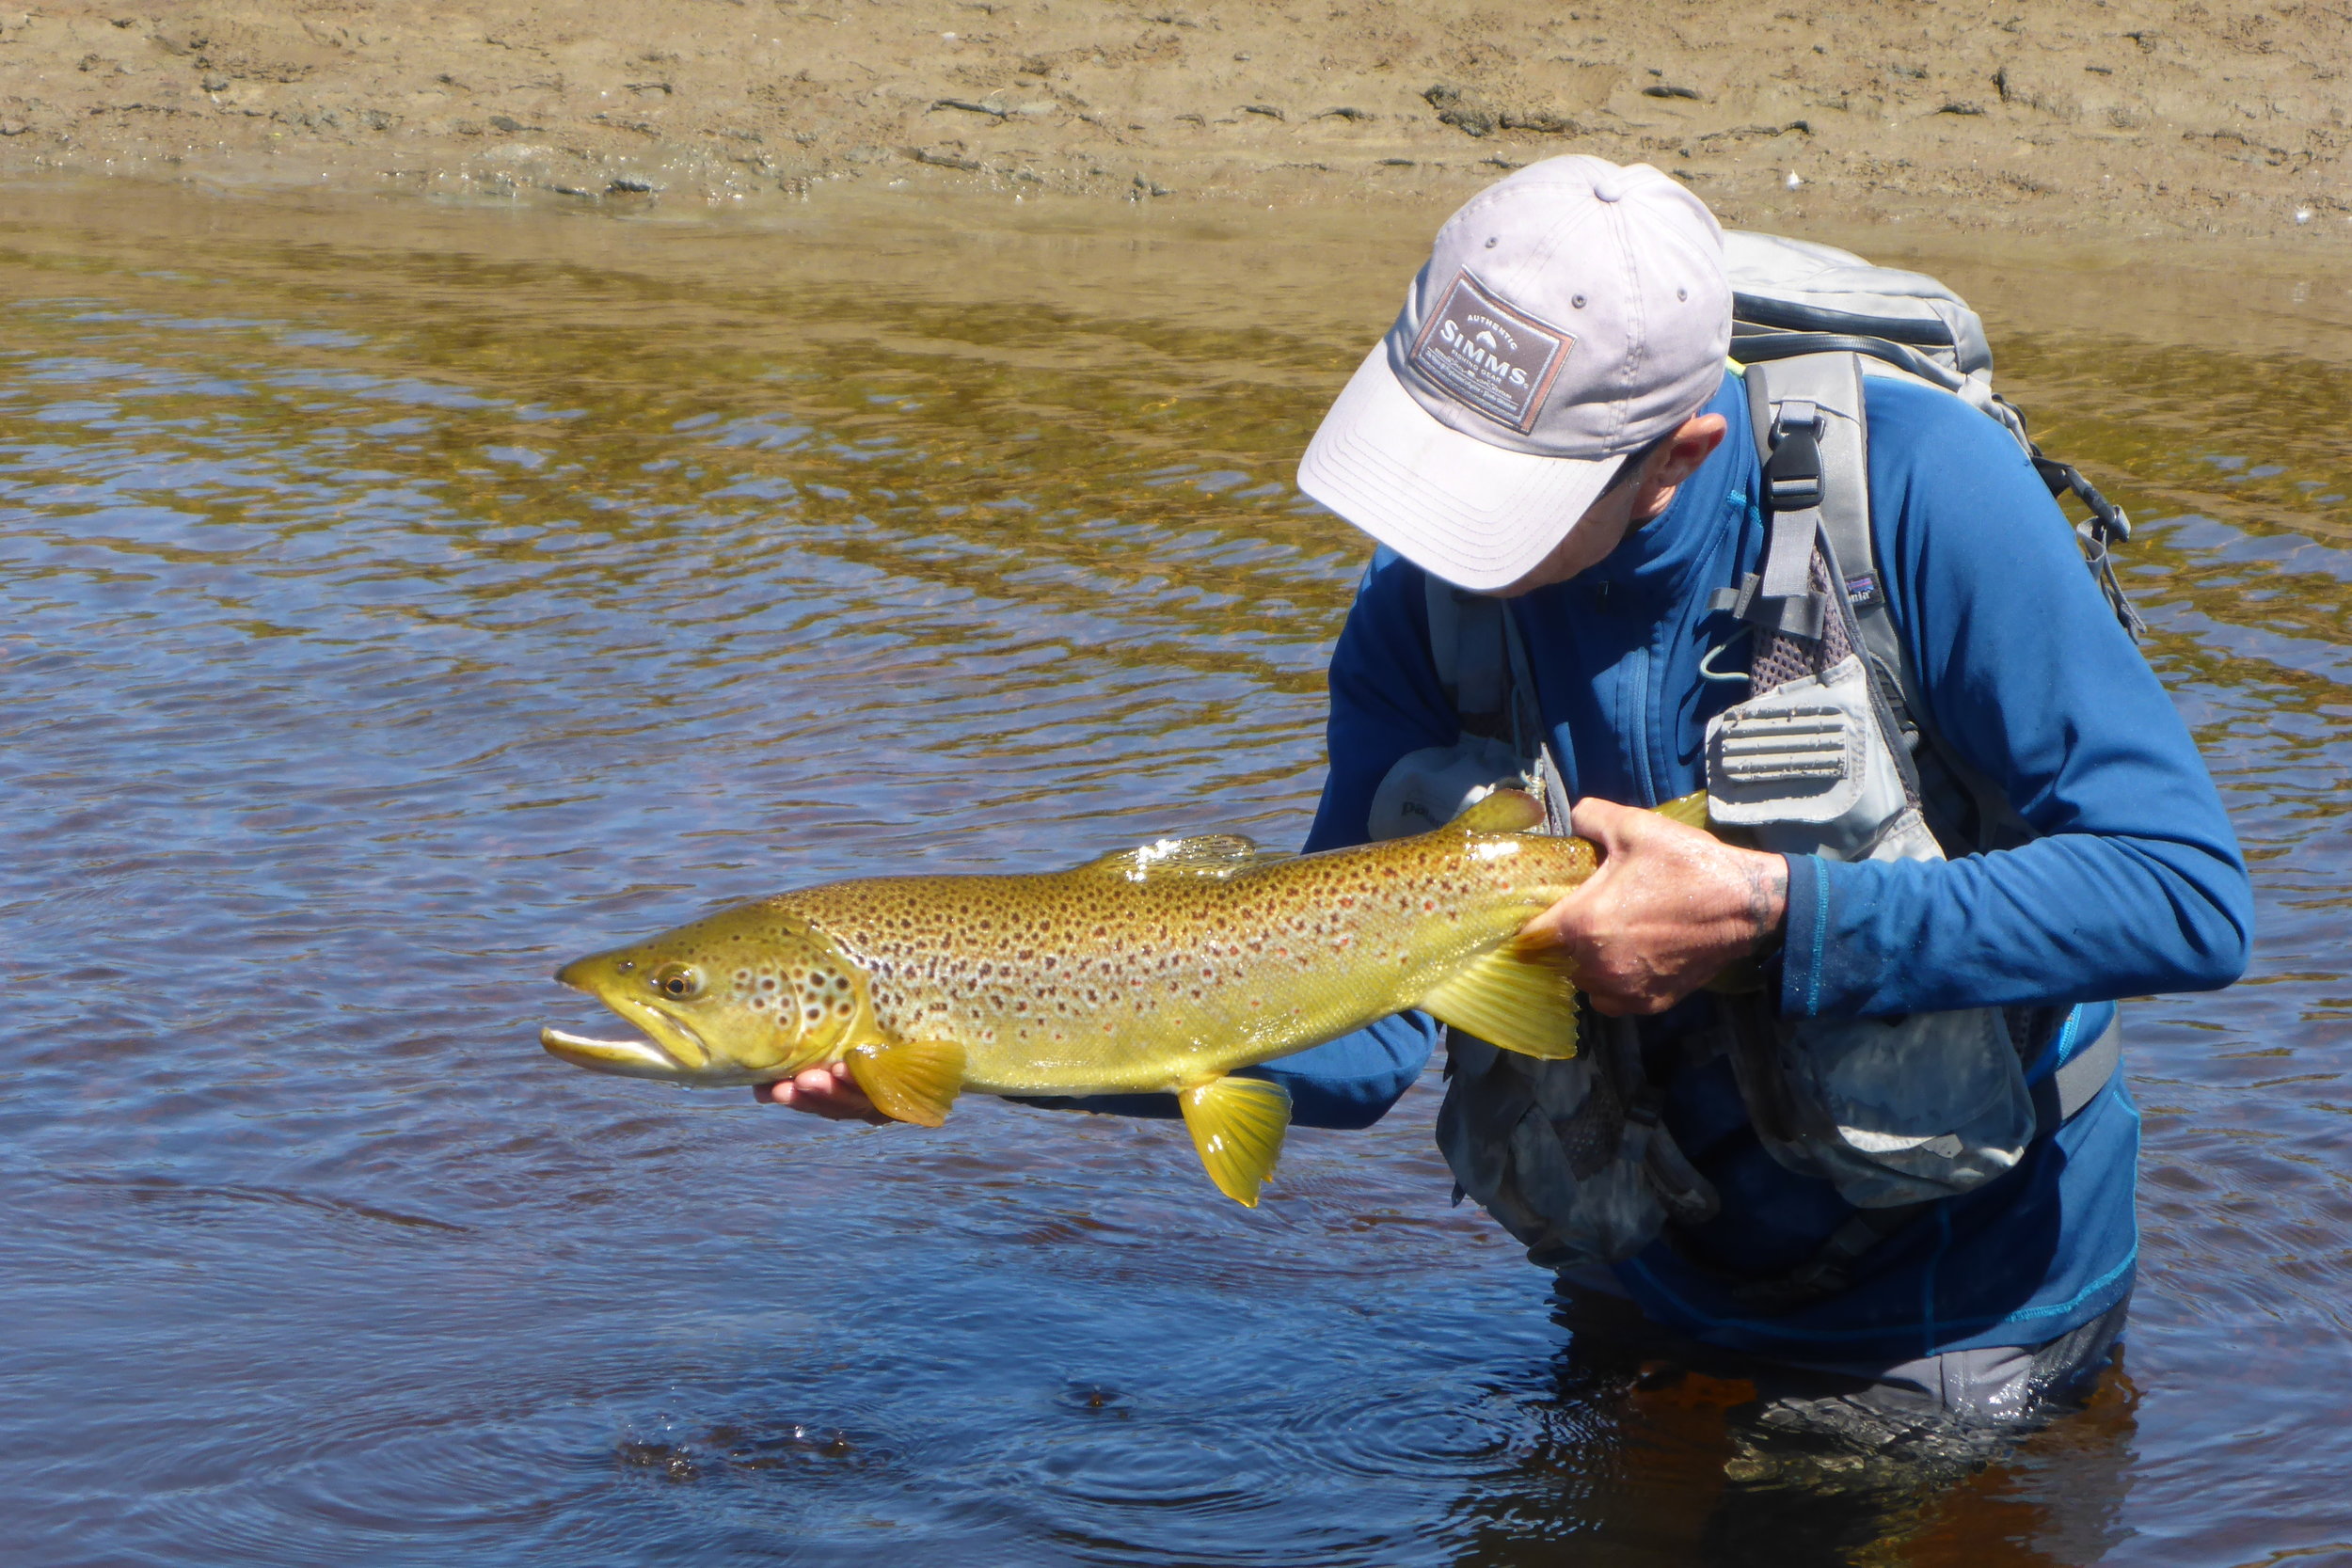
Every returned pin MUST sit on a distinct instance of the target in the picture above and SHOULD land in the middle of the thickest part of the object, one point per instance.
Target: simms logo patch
(1488, 355)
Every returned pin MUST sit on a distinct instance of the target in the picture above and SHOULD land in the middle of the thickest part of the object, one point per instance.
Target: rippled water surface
(398, 600)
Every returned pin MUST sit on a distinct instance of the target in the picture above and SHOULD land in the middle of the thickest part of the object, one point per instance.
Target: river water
(397, 600)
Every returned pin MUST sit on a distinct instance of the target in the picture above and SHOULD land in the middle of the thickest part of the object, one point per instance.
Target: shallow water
(398, 600)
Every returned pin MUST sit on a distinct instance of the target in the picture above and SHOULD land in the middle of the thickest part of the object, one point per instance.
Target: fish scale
(1163, 968)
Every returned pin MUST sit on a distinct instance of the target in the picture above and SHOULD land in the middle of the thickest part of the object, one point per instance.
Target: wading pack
(1830, 755)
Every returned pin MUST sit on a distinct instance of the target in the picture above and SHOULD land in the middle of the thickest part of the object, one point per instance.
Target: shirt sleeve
(2137, 884)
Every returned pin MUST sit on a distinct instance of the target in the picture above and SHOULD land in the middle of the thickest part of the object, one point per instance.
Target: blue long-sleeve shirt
(2136, 886)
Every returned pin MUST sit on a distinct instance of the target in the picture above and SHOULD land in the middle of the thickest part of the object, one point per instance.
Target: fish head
(750, 995)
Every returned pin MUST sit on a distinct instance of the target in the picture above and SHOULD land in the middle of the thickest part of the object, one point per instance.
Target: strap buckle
(1792, 475)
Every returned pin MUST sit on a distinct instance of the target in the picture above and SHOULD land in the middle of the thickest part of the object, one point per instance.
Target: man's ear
(1691, 445)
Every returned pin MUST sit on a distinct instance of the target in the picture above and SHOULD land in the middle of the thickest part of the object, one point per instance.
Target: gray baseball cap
(1570, 314)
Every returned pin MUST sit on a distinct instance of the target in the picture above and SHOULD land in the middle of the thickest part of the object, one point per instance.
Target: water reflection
(398, 599)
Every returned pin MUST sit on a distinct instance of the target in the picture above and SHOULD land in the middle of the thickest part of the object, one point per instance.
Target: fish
(1164, 969)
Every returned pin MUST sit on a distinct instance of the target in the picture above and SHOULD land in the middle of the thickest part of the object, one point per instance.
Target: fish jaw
(622, 1059)
(643, 1059)
(669, 1051)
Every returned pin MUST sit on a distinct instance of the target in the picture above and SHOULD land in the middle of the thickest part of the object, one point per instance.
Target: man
(1550, 422)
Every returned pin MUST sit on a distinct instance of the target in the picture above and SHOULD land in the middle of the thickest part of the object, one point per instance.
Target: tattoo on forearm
(1768, 892)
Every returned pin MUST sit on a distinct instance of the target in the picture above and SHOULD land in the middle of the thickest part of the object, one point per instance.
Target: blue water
(400, 600)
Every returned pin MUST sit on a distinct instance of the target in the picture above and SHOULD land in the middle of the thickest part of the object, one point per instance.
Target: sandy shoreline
(2127, 119)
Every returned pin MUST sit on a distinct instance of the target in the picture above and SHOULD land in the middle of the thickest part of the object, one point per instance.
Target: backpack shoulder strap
(1822, 394)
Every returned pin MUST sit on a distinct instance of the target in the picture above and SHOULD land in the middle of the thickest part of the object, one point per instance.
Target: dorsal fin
(1500, 811)
(1209, 855)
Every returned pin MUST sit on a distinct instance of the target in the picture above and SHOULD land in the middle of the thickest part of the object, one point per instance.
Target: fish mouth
(651, 1058)
(637, 1058)
(666, 1049)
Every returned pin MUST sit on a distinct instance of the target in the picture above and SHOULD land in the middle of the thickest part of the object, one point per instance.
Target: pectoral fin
(1521, 1006)
(910, 1080)
(1237, 1125)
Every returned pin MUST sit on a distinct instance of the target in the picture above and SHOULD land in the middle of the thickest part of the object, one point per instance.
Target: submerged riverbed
(399, 600)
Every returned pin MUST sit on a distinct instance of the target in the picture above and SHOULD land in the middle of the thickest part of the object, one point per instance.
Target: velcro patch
(1488, 357)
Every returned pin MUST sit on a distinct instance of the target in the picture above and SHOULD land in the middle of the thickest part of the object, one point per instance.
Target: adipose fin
(1500, 811)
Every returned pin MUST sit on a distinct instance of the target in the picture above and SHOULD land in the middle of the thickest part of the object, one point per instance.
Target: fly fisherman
(1958, 815)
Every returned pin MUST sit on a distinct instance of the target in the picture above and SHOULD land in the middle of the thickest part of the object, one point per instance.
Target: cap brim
(1481, 516)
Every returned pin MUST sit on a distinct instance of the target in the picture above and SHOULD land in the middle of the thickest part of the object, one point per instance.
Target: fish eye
(680, 982)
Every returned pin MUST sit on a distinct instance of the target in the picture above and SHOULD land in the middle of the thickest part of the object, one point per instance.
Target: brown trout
(1156, 970)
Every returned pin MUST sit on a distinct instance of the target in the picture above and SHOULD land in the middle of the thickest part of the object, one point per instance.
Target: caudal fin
(1689, 810)
(1521, 1006)
(1237, 1125)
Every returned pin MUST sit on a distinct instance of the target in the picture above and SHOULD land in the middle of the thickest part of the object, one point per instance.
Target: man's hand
(823, 1091)
(1669, 908)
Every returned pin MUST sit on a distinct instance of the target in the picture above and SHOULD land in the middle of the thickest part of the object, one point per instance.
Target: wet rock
(2028, 88)
(672, 1464)
(1457, 110)
(1542, 121)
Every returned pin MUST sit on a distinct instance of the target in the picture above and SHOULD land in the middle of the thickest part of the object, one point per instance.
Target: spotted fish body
(1119, 977)
(1161, 969)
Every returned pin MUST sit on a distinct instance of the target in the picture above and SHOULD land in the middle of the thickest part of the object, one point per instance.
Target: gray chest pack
(1828, 755)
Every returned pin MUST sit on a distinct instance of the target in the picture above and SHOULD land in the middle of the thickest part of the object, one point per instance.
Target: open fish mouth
(631, 1058)
(645, 1058)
